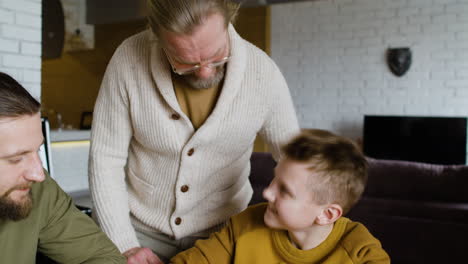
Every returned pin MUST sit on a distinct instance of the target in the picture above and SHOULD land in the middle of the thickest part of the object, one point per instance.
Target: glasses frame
(197, 66)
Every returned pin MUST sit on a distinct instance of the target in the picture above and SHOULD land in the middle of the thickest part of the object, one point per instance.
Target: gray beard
(11, 210)
(198, 83)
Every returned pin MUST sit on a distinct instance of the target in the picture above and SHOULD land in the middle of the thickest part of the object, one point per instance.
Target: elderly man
(35, 214)
(174, 125)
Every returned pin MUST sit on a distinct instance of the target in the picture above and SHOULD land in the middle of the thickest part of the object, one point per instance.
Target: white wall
(20, 42)
(332, 53)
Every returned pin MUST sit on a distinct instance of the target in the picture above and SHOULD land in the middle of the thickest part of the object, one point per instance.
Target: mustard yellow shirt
(246, 239)
(197, 104)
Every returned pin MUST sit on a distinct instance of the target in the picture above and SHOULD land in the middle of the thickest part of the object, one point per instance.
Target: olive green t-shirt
(56, 228)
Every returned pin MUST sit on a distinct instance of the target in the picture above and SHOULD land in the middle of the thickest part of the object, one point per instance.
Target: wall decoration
(78, 35)
(399, 60)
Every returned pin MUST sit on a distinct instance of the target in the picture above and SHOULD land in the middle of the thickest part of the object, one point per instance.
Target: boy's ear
(329, 214)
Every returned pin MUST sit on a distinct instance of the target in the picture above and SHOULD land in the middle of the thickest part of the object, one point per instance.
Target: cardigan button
(178, 220)
(190, 152)
(175, 116)
(184, 188)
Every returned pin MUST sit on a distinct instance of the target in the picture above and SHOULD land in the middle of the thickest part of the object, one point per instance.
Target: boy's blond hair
(339, 166)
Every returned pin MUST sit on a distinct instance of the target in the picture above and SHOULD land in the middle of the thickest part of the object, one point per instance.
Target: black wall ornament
(399, 60)
(53, 29)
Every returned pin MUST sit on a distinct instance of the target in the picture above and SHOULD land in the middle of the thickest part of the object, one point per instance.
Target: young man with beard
(35, 214)
(174, 124)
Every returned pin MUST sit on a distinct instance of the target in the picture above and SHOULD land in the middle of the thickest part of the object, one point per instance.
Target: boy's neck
(310, 238)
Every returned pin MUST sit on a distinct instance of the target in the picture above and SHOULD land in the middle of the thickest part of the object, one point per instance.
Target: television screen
(436, 140)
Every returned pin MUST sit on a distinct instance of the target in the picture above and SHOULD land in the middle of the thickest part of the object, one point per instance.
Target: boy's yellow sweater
(246, 239)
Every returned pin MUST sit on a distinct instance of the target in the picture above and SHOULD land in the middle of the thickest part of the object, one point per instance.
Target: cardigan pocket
(230, 191)
(138, 186)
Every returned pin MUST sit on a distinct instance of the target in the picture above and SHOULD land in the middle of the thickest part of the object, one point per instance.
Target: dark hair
(339, 167)
(15, 101)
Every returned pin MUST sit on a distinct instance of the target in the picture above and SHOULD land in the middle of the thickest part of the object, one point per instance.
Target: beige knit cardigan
(141, 156)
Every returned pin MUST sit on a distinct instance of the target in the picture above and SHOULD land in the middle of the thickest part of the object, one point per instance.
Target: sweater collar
(161, 72)
(315, 255)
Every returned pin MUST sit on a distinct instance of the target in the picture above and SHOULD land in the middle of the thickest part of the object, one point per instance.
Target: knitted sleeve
(110, 139)
(370, 254)
(364, 248)
(281, 123)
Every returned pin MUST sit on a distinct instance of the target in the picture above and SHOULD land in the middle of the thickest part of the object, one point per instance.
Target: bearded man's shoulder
(47, 195)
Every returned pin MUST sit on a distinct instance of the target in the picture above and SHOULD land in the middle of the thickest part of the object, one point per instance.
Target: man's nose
(205, 72)
(35, 171)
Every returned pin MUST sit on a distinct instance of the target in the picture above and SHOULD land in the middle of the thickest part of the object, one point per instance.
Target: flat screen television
(436, 140)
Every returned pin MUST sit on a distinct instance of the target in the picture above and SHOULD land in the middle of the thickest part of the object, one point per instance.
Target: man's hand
(139, 255)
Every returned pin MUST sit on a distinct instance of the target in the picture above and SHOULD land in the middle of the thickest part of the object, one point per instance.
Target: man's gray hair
(182, 16)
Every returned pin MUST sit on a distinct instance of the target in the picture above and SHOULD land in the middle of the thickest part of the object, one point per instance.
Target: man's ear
(329, 214)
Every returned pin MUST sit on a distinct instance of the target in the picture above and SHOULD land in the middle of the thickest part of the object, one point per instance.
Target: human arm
(218, 248)
(281, 121)
(69, 236)
(371, 254)
(111, 135)
(364, 248)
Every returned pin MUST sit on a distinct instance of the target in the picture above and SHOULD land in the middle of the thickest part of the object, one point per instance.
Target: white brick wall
(332, 53)
(20, 42)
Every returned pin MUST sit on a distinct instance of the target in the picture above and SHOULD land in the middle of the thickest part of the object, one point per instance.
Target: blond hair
(339, 167)
(182, 16)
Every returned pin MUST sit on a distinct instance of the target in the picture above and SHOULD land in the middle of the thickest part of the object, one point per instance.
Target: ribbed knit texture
(138, 157)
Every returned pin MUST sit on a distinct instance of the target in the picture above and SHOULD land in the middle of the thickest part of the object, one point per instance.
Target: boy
(320, 177)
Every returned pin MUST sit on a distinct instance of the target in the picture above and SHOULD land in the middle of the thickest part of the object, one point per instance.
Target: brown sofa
(418, 211)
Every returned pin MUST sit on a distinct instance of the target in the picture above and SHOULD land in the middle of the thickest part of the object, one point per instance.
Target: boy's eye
(283, 191)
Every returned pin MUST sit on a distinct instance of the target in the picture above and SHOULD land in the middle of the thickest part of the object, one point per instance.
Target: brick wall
(20, 42)
(332, 53)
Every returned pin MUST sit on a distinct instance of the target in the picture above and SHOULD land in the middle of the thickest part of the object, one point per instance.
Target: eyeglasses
(184, 69)
(187, 69)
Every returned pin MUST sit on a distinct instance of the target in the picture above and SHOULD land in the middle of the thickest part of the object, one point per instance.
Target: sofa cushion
(404, 180)
(447, 212)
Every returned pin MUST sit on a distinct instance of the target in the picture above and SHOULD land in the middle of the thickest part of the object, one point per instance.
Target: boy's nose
(268, 194)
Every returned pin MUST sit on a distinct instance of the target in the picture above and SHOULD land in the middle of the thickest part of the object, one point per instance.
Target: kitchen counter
(69, 155)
